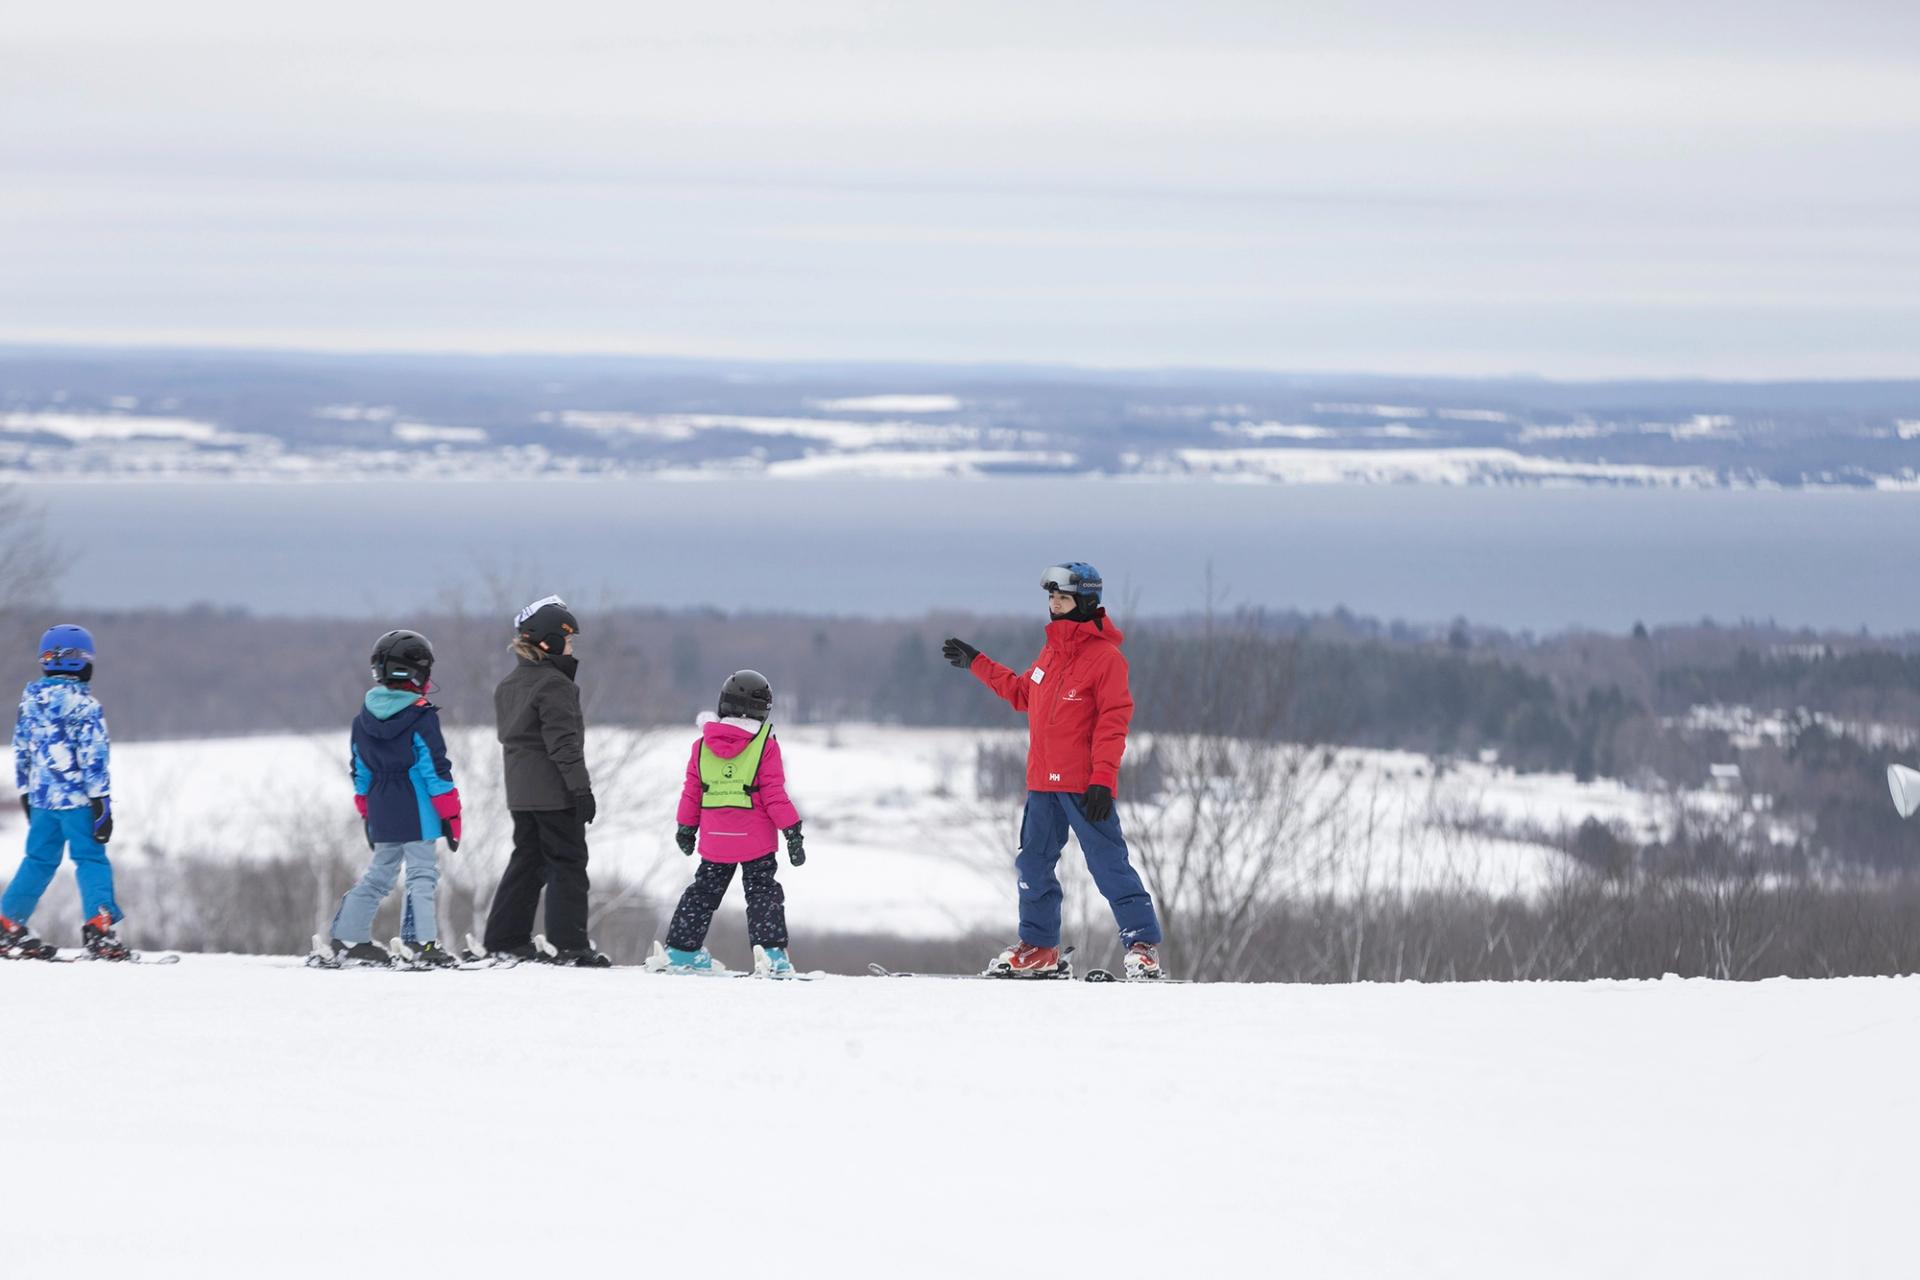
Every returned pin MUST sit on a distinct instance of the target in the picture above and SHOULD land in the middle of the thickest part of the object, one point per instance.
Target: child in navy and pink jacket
(734, 808)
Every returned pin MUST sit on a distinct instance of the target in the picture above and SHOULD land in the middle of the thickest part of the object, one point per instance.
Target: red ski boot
(1024, 960)
(101, 941)
(1143, 961)
(18, 943)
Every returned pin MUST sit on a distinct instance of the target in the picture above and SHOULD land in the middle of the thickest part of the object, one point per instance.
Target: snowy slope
(230, 1117)
(898, 841)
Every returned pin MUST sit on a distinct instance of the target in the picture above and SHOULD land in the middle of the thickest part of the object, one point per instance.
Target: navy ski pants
(1050, 816)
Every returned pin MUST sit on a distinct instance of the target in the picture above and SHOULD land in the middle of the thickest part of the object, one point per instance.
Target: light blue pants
(353, 922)
(48, 833)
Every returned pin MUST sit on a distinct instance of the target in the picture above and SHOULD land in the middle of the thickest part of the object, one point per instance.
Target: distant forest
(1594, 705)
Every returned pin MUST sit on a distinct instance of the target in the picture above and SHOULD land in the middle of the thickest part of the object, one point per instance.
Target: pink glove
(448, 807)
(360, 803)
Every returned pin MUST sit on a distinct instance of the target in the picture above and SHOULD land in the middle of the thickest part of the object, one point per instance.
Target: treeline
(206, 672)
(1584, 703)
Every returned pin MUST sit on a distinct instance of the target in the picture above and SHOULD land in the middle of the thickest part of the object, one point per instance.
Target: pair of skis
(1062, 974)
(53, 956)
(657, 962)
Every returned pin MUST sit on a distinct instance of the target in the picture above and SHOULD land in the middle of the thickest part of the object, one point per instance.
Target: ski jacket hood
(390, 713)
(729, 735)
(738, 835)
(1077, 702)
(386, 703)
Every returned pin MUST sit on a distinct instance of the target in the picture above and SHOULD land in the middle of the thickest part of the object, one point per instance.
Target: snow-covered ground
(898, 840)
(247, 1117)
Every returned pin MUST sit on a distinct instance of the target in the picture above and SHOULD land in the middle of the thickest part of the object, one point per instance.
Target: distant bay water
(1518, 557)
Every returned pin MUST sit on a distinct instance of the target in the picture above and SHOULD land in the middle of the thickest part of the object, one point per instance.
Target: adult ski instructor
(1078, 708)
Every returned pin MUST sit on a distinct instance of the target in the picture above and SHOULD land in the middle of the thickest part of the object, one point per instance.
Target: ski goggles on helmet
(65, 660)
(1070, 580)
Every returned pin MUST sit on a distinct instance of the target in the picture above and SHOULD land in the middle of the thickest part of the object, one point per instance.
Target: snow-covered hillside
(898, 839)
(247, 1117)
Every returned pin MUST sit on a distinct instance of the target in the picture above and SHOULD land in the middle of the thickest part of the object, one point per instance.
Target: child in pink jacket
(734, 807)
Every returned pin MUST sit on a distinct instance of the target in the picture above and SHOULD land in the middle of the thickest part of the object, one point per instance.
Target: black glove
(796, 851)
(102, 807)
(26, 806)
(959, 653)
(1099, 803)
(687, 837)
(584, 806)
(446, 833)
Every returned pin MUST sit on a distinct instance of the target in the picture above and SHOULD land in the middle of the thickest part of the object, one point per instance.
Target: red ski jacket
(1077, 704)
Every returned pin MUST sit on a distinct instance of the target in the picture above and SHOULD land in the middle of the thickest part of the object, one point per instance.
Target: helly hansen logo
(1053, 777)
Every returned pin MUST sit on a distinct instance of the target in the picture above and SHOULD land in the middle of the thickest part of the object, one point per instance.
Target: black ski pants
(549, 852)
(766, 904)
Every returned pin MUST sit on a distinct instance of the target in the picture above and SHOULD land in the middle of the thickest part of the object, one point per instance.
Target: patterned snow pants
(766, 904)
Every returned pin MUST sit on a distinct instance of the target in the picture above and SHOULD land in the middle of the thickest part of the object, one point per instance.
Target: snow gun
(1905, 785)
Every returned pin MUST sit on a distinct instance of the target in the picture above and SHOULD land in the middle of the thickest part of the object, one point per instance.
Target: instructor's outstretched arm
(1010, 685)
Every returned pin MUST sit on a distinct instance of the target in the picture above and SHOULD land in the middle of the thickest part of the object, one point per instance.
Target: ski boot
(356, 955)
(1024, 960)
(101, 942)
(424, 955)
(569, 957)
(770, 962)
(674, 960)
(499, 957)
(17, 942)
(1143, 962)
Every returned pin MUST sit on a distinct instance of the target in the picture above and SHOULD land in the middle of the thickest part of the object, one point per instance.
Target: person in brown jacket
(542, 740)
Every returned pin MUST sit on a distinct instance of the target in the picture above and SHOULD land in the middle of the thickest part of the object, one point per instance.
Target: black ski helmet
(546, 624)
(402, 657)
(746, 693)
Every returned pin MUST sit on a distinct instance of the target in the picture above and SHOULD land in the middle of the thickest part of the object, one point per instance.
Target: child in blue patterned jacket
(60, 768)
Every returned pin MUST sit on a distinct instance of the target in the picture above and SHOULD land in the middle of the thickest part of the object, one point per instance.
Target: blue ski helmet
(66, 650)
(1076, 579)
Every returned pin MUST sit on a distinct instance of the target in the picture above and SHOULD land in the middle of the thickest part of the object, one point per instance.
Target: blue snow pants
(49, 833)
(1050, 816)
(353, 922)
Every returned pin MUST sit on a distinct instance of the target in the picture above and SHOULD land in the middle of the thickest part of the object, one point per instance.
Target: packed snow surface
(248, 1117)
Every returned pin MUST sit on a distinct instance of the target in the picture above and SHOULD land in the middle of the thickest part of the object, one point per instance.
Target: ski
(53, 955)
(1063, 974)
(132, 957)
(1108, 975)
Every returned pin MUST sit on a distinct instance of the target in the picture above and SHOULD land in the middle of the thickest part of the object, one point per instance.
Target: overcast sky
(1577, 190)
